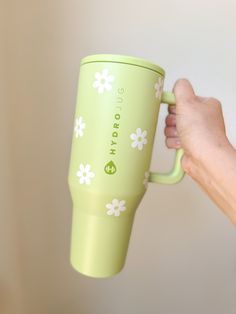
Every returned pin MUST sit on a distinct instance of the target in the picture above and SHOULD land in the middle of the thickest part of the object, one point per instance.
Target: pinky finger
(172, 109)
(173, 142)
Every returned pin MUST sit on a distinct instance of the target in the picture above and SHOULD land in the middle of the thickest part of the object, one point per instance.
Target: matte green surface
(124, 59)
(115, 124)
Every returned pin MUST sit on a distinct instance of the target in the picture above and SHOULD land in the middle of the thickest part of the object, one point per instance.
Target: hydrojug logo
(115, 134)
(116, 121)
(110, 167)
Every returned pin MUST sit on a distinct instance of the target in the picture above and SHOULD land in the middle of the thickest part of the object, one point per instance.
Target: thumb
(183, 90)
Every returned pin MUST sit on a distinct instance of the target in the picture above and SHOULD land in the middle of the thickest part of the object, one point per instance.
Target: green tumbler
(115, 122)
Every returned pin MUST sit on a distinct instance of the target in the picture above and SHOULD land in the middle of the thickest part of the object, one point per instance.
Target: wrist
(209, 160)
(215, 173)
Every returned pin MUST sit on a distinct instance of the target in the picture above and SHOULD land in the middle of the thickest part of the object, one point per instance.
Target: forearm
(215, 172)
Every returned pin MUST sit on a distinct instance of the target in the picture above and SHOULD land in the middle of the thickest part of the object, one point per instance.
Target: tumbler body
(114, 128)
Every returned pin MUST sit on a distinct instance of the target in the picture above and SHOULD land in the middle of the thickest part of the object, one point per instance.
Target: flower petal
(133, 136)
(81, 166)
(110, 78)
(87, 168)
(134, 144)
(144, 141)
(79, 174)
(109, 206)
(87, 180)
(117, 213)
(82, 180)
(91, 174)
(144, 134)
(140, 145)
(105, 73)
(115, 202)
(98, 75)
(122, 208)
(76, 132)
(101, 89)
(122, 202)
(110, 212)
(138, 131)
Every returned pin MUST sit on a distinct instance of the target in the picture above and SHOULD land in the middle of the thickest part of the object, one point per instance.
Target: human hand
(195, 124)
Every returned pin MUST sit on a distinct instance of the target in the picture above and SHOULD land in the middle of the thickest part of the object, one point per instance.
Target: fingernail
(177, 143)
(175, 132)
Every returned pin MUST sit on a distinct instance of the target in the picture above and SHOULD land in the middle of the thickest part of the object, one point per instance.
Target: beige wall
(10, 273)
(182, 254)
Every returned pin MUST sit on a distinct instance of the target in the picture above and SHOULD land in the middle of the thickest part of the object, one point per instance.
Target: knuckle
(167, 119)
(193, 99)
(190, 101)
(170, 131)
(181, 81)
(168, 143)
(166, 131)
(214, 101)
(170, 120)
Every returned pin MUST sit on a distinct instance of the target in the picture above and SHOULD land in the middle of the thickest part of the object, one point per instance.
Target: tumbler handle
(177, 172)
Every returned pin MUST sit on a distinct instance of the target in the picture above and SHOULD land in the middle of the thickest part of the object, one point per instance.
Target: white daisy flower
(103, 81)
(158, 87)
(115, 207)
(85, 174)
(79, 127)
(139, 139)
(145, 180)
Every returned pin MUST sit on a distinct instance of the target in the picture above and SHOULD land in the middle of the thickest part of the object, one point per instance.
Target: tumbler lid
(123, 59)
(99, 244)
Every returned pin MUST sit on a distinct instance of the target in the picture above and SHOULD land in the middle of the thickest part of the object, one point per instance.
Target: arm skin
(196, 124)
